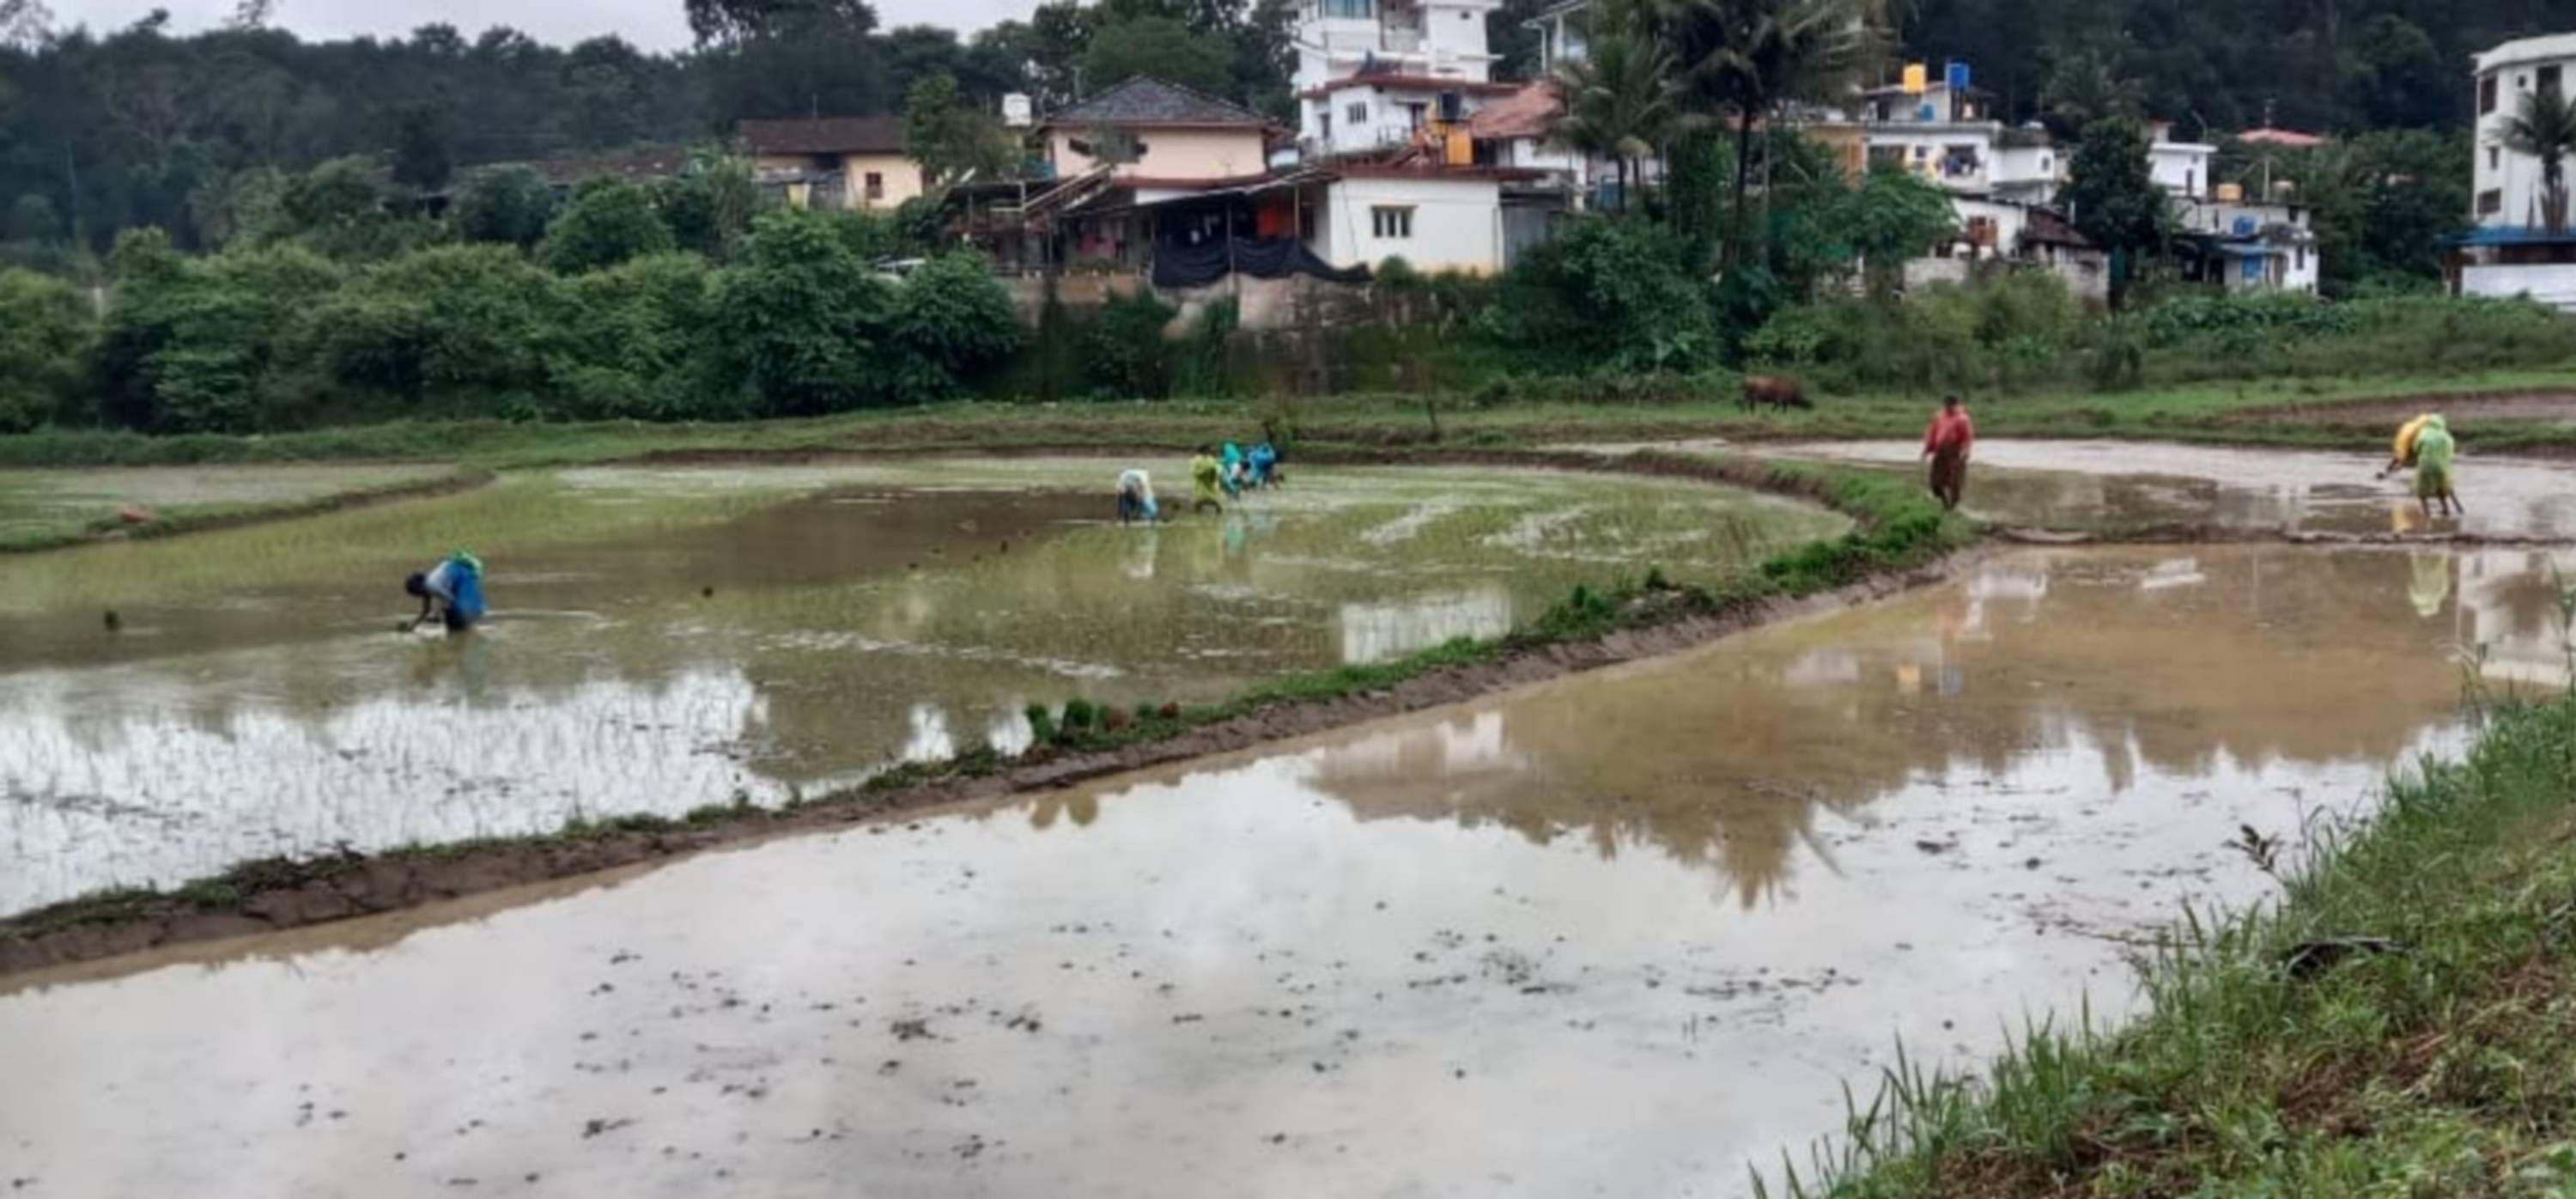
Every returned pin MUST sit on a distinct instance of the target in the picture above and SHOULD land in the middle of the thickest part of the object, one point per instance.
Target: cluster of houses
(1407, 147)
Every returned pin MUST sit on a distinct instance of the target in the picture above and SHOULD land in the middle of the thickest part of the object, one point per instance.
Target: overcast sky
(651, 24)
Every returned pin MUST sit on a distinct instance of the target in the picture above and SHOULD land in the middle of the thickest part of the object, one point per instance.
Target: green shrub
(505, 204)
(1607, 292)
(459, 329)
(197, 345)
(46, 330)
(1128, 357)
(953, 313)
(806, 326)
(608, 222)
(635, 344)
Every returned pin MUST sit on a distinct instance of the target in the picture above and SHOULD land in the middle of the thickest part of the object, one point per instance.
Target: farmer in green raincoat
(2435, 452)
(1206, 481)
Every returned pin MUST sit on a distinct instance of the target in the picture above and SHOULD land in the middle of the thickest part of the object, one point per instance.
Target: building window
(2491, 202)
(1392, 223)
(2549, 80)
(876, 186)
(2486, 95)
(1347, 10)
(1358, 113)
(2495, 158)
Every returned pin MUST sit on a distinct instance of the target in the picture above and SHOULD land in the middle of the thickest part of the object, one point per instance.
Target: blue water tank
(1958, 76)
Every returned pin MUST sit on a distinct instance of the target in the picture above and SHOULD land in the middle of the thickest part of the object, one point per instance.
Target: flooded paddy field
(665, 639)
(2107, 486)
(1616, 934)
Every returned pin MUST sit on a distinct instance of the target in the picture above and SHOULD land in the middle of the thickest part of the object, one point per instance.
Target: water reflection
(2079, 672)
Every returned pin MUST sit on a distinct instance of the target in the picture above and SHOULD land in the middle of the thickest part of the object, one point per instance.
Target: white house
(2511, 249)
(1423, 59)
(2181, 168)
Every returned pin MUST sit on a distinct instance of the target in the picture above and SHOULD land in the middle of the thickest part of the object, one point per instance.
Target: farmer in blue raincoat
(1233, 468)
(1265, 465)
(453, 588)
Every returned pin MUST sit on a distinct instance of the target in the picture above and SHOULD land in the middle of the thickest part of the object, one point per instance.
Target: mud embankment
(119, 530)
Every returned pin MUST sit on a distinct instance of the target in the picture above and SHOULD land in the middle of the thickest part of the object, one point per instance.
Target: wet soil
(2118, 488)
(668, 639)
(53, 509)
(1622, 931)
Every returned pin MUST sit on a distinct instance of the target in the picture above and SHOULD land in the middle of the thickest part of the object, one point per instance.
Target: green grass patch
(2281, 1055)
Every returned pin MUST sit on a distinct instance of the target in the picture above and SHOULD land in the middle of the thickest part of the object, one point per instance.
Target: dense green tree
(1607, 293)
(1160, 47)
(1742, 59)
(804, 324)
(709, 205)
(952, 312)
(607, 222)
(949, 138)
(2110, 193)
(2544, 127)
(1890, 218)
(508, 204)
(422, 157)
(45, 333)
(1622, 101)
(458, 329)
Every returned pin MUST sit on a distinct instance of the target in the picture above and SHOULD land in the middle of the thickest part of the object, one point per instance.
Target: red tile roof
(1529, 112)
(2291, 138)
(827, 135)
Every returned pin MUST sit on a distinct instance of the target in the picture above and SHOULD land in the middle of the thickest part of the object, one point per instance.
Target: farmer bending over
(2434, 451)
(1136, 498)
(2401, 453)
(453, 588)
(1947, 444)
(1206, 478)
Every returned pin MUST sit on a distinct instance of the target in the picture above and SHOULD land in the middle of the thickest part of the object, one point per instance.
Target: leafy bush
(1128, 355)
(953, 313)
(506, 204)
(190, 343)
(635, 344)
(45, 334)
(469, 327)
(1606, 292)
(608, 222)
(809, 328)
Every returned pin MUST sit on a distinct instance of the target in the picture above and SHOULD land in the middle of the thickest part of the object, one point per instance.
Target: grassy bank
(1577, 412)
(2282, 1055)
(1899, 529)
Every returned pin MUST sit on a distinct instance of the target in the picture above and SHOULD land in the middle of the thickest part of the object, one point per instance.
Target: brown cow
(1777, 391)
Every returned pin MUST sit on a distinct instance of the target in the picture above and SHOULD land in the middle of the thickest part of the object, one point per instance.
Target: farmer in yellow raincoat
(2434, 452)
(2401, 453)
(1206, 478)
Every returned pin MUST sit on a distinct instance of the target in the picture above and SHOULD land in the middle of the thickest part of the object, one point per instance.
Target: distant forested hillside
(2328, 65)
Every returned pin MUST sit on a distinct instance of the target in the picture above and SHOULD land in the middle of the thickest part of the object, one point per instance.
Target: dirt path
(2542, 407)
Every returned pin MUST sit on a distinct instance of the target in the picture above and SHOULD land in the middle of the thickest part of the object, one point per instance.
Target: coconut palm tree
(1741, 60)
(1620, 102)
(2545, 128)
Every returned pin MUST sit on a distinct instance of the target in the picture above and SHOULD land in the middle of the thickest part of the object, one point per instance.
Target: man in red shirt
(1947, 444)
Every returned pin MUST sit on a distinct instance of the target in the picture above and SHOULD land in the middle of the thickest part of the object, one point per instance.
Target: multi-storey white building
(1377, 74)
(2512, 248)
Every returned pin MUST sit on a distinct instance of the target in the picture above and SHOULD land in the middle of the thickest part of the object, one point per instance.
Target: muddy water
(1614, 935)
(2110, 485)
(669, 639)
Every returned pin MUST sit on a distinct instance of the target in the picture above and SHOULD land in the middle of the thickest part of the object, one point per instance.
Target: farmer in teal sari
(453, 588)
